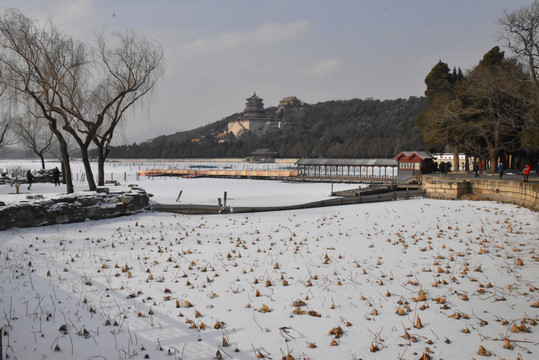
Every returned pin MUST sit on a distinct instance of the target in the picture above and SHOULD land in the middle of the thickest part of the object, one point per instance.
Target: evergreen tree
(440, 121)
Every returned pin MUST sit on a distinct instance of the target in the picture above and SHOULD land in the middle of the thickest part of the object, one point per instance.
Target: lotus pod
(523, 328)
(422, 297)
(483, 352)
(298, 311)
(336, 331)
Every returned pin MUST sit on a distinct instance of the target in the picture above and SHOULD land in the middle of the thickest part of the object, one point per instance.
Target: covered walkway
(376, 170)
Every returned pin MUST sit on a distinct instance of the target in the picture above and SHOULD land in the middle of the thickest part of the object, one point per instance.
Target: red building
(412, 164)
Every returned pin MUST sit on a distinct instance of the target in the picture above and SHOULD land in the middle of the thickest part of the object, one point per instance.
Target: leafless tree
(520, 30)
(5, 123)
(495, 102)
(5, 119)
(35, 135)
(74, 91)
(132, 67)
(35, 64)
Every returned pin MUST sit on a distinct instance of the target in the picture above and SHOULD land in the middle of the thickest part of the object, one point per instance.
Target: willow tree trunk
(100, 166)
(42, 161)
(88, 169)
(493, 155)
(64, 154)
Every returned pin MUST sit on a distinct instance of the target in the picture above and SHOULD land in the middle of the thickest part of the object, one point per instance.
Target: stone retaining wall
(70, 208)
(514, 192)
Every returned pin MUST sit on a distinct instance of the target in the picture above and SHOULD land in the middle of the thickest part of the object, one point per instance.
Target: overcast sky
(217, 53)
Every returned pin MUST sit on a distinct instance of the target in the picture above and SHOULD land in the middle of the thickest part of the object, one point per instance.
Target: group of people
(527, 170)
(55, 176)
(478, 167)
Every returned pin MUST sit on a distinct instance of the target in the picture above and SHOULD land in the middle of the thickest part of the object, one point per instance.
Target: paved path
(508, 176)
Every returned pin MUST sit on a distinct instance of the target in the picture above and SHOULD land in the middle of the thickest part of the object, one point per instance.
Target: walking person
(476, 169)
(29, 179)
(56, 176)
(526, 173)
(500, 169)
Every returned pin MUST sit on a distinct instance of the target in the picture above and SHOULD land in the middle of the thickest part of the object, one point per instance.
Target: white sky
(217, 53)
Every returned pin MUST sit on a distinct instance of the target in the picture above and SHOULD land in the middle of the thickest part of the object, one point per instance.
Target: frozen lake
(392, 280)
(240, 192)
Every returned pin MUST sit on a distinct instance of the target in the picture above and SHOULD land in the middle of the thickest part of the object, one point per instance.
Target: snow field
(402, 279)
(127, 288)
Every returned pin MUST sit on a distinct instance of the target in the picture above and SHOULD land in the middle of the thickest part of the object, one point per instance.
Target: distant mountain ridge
(331, 129)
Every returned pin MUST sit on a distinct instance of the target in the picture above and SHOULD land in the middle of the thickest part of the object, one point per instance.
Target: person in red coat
(526, 173)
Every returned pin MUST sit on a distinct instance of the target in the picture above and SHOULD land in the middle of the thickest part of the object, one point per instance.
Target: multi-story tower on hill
(254, 108)
(253, 119)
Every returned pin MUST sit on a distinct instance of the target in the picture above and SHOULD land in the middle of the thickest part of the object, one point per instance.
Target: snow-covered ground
(392, 280)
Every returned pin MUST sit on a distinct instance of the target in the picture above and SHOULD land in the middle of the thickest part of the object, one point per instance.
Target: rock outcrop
(104, 203)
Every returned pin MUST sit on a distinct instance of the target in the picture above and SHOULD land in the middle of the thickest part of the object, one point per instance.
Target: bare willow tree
(5, 123)
(132, 67)
(73, 90)
(35, 64)
(5, 119)
(35, 135)
(520, 30)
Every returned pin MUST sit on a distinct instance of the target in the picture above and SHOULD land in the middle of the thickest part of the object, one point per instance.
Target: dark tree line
(332, 129)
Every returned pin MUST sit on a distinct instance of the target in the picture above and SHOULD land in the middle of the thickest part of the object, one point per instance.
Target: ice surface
(119, 288)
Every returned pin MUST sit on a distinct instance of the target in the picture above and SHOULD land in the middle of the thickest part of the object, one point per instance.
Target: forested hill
(332, 129)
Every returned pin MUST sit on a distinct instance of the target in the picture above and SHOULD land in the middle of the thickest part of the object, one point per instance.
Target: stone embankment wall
(36, 211)
(514, 192)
